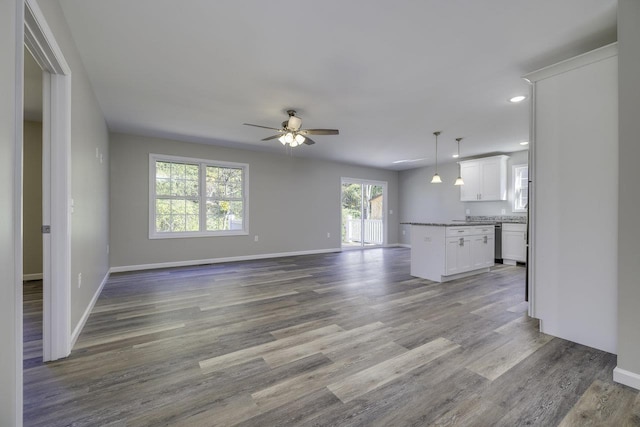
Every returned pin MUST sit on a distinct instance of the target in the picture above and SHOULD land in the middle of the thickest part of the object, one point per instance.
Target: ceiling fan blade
(264, 127)
(271, 137)
(320, 131)
(308, 140)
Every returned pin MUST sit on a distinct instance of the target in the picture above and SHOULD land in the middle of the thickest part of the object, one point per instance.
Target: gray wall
(32, 198)
(10, 265)
(629, 192)
(89, 176)
(421, 201)
(293, 203)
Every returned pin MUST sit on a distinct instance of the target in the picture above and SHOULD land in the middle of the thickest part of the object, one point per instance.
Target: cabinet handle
(462, 241)
(486, 239)
(460, 231)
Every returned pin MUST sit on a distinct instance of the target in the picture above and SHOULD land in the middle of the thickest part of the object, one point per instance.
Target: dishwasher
(498, 243)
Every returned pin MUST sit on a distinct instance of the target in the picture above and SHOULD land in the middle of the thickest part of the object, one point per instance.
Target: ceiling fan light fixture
(299, 139)
(282, 139)
(288, 138)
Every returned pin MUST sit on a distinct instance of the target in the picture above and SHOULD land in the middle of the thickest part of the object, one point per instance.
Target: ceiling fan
(291, 132)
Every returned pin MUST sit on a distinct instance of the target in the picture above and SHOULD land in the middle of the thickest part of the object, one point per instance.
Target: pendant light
(459, 180)
(436, 178)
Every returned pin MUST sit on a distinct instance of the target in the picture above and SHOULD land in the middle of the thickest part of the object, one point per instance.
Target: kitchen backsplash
(497, 218)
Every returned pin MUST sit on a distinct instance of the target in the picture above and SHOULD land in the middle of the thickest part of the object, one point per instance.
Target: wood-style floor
(339, 339)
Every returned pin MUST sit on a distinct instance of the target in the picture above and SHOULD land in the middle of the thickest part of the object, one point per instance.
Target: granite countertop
(451, 223)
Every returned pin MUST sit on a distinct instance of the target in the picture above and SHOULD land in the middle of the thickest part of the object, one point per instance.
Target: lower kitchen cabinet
(442, 253)
(514, 243)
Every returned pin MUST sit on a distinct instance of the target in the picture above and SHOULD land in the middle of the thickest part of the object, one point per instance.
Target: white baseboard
(87, 312)
(30, 277)
(138, 267)
(404, 245)
(625, 377)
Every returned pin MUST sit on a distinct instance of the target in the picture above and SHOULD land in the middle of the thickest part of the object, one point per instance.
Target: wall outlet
(404, 232)
(504, 211)
(255, 238)
(79, 280)
(468, 211)
(101, 157)
(97, 153)
(390, 211)
(328, 235)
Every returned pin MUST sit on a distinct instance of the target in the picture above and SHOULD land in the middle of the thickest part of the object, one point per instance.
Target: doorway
(32, 211)
(363, 207)
(56, 182)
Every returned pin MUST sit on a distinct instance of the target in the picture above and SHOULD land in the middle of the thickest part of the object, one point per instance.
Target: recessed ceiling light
(524, 143)
(455, 156)
(517, 99)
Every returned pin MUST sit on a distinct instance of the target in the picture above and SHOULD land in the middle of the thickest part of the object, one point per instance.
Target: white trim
(202, 164)
(587, 58)
(31, 277)
(16, 395)
(627, 378)
(531, 261)
(403, 245)
(57, 159)
(138, 267)
(87, 312)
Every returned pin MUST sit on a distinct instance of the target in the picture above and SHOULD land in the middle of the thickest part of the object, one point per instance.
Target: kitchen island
(444, 251)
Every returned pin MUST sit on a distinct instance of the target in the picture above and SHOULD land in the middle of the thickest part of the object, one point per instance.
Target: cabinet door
(478, 251)
(513, 245)
(451, 257)
(483, 251)
(490, 251)
(491, 180)
(465, 259)
(470, 173)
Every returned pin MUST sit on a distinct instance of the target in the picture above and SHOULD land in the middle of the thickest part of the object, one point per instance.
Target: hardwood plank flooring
(344, 339)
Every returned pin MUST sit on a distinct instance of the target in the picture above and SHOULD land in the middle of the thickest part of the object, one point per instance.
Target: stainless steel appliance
(498, 243)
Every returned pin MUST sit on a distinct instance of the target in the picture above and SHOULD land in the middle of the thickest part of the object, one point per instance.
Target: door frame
(361, 181)
(56, 177)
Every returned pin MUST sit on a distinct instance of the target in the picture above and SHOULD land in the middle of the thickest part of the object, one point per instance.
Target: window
(195, 197)
(520, 188)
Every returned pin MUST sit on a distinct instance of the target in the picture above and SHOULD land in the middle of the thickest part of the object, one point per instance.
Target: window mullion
(202, 179)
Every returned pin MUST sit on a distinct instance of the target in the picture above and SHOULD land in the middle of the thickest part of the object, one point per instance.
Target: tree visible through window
(197, 197)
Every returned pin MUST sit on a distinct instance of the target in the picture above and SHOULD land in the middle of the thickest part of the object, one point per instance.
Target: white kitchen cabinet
(443, 252)
(458, 258)
(485, 179)
(514, 243)
(483, 249)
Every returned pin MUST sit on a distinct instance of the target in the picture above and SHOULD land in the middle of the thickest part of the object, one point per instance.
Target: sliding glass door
(363, 213)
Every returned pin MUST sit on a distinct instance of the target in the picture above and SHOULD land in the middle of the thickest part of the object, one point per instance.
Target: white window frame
(203, 163)
(514, 207)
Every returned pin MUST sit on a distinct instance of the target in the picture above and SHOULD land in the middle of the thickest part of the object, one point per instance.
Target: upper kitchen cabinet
(485, 179)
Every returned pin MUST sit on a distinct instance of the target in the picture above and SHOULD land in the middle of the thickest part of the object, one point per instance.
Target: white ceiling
(386, 73)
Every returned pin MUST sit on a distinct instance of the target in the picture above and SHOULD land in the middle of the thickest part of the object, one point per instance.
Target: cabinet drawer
(514, 227)
(458, 231)
(489, 230)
